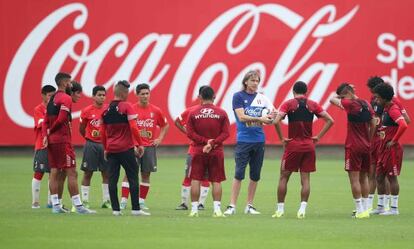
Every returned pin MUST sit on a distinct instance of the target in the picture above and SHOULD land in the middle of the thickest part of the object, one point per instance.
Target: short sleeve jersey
(300, 112)
(149, 119)
(253, 105)
(90, 117)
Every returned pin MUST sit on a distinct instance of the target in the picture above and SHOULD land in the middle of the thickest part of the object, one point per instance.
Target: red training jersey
(118, 132)
(60, 130)
(39, 117)
(182, 119)
(389, 127)
(149, 119)
(207, 122)
(300, 112)
(357, 136)
(90, 117)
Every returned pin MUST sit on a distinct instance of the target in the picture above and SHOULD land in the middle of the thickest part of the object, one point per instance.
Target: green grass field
(328, 223)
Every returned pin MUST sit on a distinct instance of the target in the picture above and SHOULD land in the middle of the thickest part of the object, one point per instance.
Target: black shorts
(93, 157)
(40, 161)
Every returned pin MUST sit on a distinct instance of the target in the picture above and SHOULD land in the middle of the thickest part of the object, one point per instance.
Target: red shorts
(375, 146)
(211, 164)
(390, 161)
(294, 161)
(357, 161)
(61, 156)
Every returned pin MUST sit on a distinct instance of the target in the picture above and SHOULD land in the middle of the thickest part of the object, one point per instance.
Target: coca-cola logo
(95, 123)
(145, 123)
(253, 111)
(289, 65)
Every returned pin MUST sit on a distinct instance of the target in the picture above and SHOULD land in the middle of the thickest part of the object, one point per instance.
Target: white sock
(105, 192)
(194, 206)
(185, 194)
(365, 202)
(76, 200)
(387, 201)
(381, 201)
(370, 200)
(55, 199)
(281, 207)
(203, 194)
(358, 205)
(303, 205)
(35, 190)
(394, 201)
(85, 193)
(123, 199)
(49, 199)
(217, 206)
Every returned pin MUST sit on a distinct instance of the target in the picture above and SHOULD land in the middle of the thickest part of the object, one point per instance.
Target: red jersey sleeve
(399, 104)
(182, 118)
(161, 119)
(346, 103)
(284, 108)
(84, 116)
(132, 116)
(395, 114)
(224, 130)
(38, 118)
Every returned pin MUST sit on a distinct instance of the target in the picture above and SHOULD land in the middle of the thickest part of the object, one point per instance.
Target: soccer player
(40, 162)
(56, 131)
(93, 153)
(248, 105)
(150, 117)
(300, 145)
(207, 127)
(181, 122)
(360, 130)
(390, 152)
(122, 143)
(384, 200)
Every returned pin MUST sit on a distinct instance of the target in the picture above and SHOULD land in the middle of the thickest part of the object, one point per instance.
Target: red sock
(186, 182)
(205, 183)
(143, 190)
(125, 190)
(38, 176)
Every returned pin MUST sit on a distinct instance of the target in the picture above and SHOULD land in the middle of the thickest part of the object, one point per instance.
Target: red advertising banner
(177, 46)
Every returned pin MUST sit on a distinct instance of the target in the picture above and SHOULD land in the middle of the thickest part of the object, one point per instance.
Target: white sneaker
(250, 210)
(36, 205)
(139, 213)
(230, 210)
(378, 210)
(83, 210)
(392, 211)
(116, 213)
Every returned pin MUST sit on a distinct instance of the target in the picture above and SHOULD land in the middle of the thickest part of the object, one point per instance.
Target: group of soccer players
(128, 135)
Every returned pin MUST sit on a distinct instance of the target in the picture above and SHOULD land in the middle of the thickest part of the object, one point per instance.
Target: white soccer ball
(265, 112)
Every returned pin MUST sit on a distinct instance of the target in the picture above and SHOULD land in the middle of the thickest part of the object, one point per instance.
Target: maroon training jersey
(360, 114)
(207, 122)
(116, 121)
(390, 117)
(59, 132)
(300, 112)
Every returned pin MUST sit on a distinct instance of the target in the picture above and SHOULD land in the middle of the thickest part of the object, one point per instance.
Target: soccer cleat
(378, 210)
(64, 208)
(250, 210)
(300, 215)
(200, 207)
(182, 206)
(193, 214)
(142, 206)
(116, 213)
(218, 214)
(392, 211)
(86, 204)
(362, 215)
(230, 210)
(278, 214)
(58, 210)
(140, 213)
(106, 204)
(36, 205)
(83, 210)
(123, 205)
